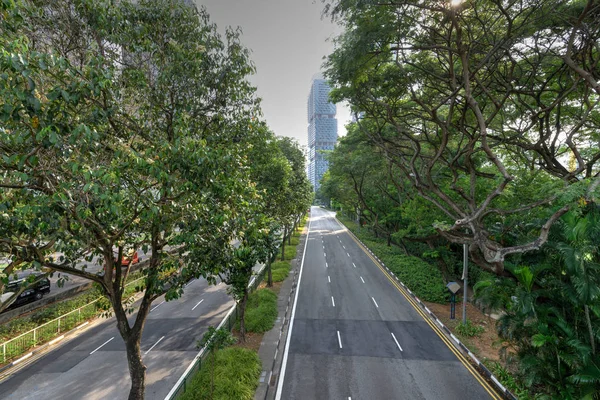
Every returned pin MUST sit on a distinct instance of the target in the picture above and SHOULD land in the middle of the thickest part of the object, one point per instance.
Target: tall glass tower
(322, 129)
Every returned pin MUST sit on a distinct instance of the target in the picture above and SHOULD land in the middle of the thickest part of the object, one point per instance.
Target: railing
(229, 321)
(44, 333)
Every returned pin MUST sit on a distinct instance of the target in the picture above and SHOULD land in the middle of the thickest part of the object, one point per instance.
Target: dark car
(35, 292)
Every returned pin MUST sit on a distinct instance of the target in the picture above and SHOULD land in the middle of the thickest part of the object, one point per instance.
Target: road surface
(354, 336)
(94, 364)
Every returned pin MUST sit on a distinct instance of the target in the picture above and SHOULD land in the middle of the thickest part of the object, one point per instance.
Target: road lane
(373, 344)
(93, 365)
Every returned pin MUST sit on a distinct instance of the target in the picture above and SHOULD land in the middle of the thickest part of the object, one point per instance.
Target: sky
(288, 40)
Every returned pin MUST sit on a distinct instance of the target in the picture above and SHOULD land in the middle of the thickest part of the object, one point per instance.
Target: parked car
(33, 293)
(133, 256)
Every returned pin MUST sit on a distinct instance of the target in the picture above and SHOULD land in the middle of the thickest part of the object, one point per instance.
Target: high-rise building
(322, 129)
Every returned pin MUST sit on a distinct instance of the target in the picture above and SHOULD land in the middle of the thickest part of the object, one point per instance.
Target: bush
(469, 329)
(424, 279)
(279, 275)
(290, 252)
(236, 376)
(295, 241)
(261, 311)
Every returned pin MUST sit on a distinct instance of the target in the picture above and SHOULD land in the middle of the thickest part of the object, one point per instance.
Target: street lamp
(453, 287)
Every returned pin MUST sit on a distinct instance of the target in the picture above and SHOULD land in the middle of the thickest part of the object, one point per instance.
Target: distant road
(355, 337)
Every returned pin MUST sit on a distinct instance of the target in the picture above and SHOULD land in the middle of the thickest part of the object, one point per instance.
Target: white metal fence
(19, 345)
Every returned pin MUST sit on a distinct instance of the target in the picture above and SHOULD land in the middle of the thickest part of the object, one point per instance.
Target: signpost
(453, 287)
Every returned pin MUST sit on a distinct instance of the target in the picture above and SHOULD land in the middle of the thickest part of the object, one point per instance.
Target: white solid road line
(102, 345)
(156, 306)
(354, 265)
(397, 344)
(154, 345)
(374, 302)
(363, 281)
(279, 391)
(339, 339)
(197, 304)
(332, 301)
(328, 279)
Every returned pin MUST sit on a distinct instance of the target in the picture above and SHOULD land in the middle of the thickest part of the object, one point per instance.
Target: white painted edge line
(25, 357)
(58, 339)
(102, 345)
(372, 298)
(339, 339)
(354, 265)
(397, 344)
(328, 279)
(154, 345)
(82, 325)
(332, 301)
(197, 304)
(363, 281)
(156, 306)
(279, 390)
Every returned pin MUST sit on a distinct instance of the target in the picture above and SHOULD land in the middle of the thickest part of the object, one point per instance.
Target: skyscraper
(322, 129)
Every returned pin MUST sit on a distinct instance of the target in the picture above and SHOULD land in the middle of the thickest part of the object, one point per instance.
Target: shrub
(236, 376)
(290, 252)
(469, 329)
(279, 275)
(261, 311)
(280, 265)
(295, 240)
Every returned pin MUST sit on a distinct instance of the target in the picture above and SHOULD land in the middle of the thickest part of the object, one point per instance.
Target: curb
(482, 369)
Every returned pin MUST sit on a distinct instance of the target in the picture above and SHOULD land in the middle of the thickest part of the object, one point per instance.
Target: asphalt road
(354, 336)
(94, 364)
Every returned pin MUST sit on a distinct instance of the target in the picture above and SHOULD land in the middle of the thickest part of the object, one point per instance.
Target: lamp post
(465, 276)
(453, 287)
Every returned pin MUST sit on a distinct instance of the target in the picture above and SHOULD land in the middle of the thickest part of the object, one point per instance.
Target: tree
(215, 340)
(124, 128)
(469, 102)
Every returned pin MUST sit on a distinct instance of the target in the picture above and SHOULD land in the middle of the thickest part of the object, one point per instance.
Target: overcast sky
(288, 40)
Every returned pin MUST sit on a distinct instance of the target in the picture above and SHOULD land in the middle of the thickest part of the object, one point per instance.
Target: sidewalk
(273, 344)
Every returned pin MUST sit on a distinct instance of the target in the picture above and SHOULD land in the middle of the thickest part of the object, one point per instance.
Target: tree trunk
(269, 274)
(590, 330)
(283, 244)
(137, 369)
(242, 316)
(389, 240)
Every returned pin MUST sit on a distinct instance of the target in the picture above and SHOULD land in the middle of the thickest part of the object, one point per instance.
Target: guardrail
(19, 345)
(229, 320)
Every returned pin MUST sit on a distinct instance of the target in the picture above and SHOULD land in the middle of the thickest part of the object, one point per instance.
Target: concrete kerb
(481, 368)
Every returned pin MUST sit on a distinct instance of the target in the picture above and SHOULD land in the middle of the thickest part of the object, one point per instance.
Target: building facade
(322, 130)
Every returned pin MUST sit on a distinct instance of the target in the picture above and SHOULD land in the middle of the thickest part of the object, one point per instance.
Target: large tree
(480, 105)
(124, 127)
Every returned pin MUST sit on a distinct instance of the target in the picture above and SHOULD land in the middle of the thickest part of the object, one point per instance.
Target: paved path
(354, 336)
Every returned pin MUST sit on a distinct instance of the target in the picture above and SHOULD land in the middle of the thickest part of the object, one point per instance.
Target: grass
(424, 279)
(261, 311)
(289, 252)
(280, 270)
(236, 373)
(469, 329)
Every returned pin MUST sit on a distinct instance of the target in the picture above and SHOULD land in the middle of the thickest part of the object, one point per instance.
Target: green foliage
(422, 278)
(261, 311)
(469, 329)
(281, 271)
(509, 381)
(290, 252)
(236, 374)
